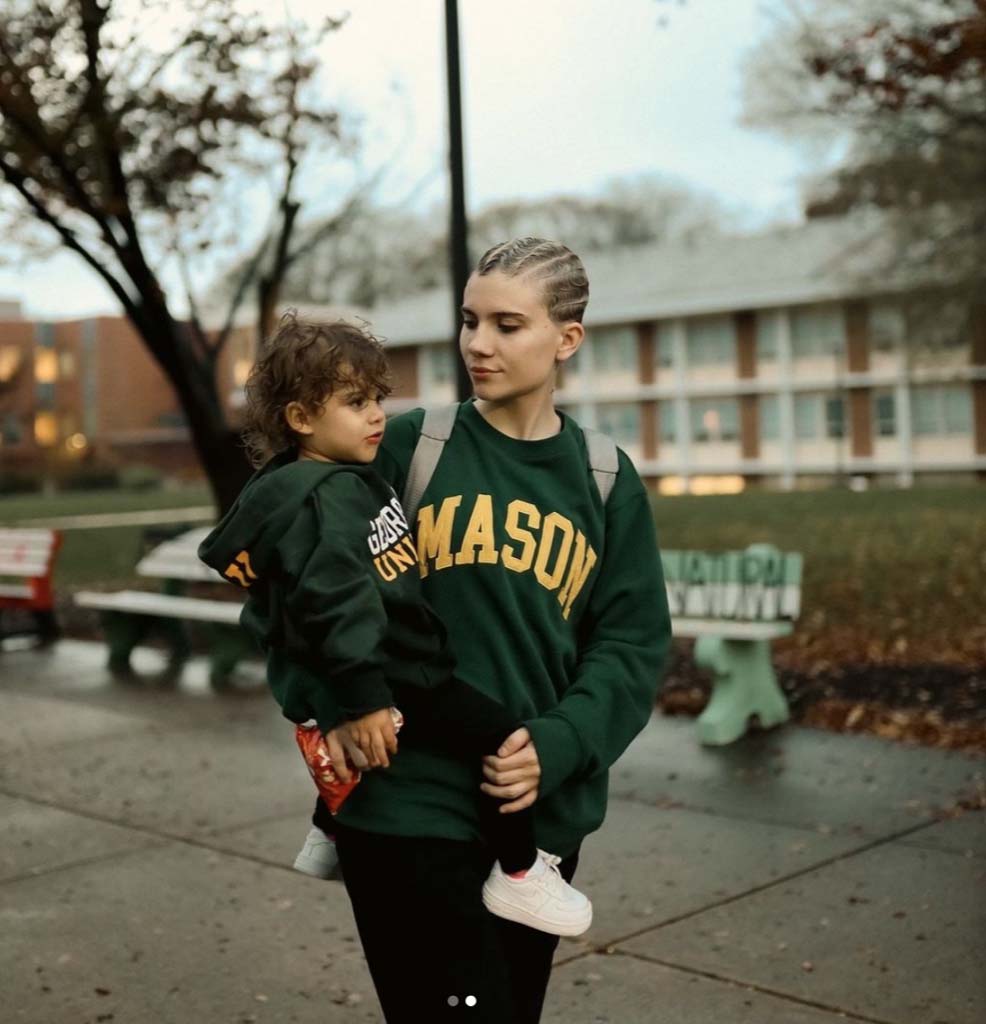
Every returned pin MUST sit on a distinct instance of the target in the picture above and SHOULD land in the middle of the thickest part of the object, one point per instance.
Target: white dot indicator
(471, 1000)
(453, 1000)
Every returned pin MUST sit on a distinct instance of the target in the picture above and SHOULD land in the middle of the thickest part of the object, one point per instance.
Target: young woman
(554, 603)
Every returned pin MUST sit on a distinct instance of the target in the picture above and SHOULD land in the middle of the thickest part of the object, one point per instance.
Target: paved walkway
(798, 877)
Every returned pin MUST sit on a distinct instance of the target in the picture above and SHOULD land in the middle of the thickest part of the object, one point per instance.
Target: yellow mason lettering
(578, 572)
(554, 522)
(435, 537)
(479, 535)
(523, 561)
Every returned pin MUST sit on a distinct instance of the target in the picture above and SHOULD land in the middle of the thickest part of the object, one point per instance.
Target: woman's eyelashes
(503, 328)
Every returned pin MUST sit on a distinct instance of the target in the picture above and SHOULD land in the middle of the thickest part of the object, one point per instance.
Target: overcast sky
(559, 96)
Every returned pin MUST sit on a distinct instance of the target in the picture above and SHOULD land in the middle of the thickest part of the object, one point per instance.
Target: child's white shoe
(319, 857)
(542, 899)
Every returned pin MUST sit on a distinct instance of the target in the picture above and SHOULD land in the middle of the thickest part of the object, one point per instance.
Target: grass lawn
(98, 556)
(80, 503)
(890, 576)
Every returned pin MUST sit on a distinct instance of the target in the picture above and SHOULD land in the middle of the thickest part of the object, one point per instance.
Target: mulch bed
(932, 705)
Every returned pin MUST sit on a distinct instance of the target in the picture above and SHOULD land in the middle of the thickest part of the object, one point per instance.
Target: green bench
(734, 603)
(129, 616)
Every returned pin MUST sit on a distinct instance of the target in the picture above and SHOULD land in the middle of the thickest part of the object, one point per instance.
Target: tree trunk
(268, 292)
(216, 443)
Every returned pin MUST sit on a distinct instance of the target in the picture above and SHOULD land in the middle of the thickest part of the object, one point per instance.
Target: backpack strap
(436, 428)
(604, 460)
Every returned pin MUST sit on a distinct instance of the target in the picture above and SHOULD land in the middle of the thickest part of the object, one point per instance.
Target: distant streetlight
(458, 227)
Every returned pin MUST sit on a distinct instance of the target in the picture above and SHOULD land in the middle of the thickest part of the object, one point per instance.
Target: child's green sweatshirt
(554, 605)
(333, 593)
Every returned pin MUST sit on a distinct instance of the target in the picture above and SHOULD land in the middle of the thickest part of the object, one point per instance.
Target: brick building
(88, 389)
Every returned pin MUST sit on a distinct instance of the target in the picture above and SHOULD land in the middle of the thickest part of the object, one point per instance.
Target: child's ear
(297, 418)
(572, 337)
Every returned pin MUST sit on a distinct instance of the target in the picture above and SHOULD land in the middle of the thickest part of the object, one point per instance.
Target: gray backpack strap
(604, 460)
(436, 428)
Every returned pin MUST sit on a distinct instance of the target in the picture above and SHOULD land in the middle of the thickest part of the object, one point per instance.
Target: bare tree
(135, 133)
(390, 252)
(901, 85)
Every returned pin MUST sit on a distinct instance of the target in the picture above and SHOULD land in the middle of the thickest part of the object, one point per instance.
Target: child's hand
(344, 754)
(375, 736)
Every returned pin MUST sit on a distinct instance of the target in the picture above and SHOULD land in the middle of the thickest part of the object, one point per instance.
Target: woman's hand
(375, 736)
(513, 773)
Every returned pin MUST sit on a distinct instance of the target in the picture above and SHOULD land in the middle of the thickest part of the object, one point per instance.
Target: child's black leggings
(457, 719)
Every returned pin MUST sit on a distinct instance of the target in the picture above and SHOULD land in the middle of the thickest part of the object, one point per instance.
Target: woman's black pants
(434, 951)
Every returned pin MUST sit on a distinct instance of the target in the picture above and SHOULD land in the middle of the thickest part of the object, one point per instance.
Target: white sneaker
(542, 899)
(318, 857)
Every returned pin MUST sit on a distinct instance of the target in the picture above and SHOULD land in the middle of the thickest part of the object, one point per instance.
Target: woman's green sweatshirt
(554, 604)
(333, 594)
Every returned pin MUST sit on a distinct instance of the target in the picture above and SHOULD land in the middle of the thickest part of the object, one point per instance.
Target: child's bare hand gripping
(375, 736)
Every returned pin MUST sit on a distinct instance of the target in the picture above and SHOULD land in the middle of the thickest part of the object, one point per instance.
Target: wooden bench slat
(731, 630)
(18, 552)
(173, 569)
(178, 559)
(140, 602)
(27, 535)
(24, 570)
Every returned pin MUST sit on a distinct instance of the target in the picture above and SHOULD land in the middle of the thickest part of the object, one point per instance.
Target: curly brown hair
(305, 361)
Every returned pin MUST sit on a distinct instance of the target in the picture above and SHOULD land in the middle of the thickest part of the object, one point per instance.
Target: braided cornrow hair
(565, 282)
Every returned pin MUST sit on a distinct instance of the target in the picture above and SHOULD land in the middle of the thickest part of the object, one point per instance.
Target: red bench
(27, 558)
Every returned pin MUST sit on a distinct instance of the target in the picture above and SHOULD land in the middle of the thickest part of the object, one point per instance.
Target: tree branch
(19, 181)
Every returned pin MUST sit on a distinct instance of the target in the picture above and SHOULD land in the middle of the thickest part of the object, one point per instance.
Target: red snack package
(331, 788)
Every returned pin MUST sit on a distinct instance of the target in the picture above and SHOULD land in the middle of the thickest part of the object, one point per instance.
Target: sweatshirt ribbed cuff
(360, 697)
(328, 714)
(559, 751)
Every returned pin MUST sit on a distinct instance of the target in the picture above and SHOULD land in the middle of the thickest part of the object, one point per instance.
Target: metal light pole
(458, 228)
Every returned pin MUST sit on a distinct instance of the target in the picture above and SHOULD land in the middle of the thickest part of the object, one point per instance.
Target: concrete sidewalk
(798, 877)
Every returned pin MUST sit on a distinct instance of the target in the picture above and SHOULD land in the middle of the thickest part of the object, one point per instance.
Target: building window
(45, 395)
(442, 368)
(667, 422)
(942, 411)
(171, 420)
(45, 366)
(835, 417)
(767, 327)
(614, 349)
(10, 362)
(11, 429)
(818, 416)
(620, 420)
(711, 341)
(807, 422)
(241, 371)
(663, 346)
(45, 429)
(770, 418)
(885, 415)
(817, 331)
(888, 327)
(715, 419)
